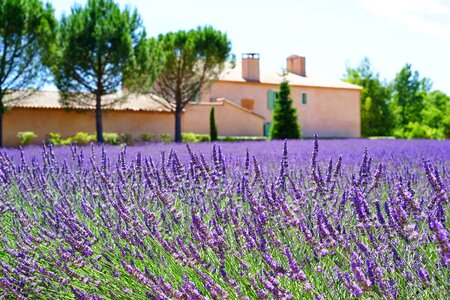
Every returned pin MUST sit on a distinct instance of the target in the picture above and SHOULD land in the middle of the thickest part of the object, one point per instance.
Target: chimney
(296, 64)
(250, 66)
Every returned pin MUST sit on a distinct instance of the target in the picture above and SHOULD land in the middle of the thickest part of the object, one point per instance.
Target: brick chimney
(296, 64)
(250, 66)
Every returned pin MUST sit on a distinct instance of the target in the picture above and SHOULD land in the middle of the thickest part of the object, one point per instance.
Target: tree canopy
(409, 92)
(376, 118)
(27, 34)
(436, 108)
(98, 52)
(192, 59)
(284, 119)
(406, 107)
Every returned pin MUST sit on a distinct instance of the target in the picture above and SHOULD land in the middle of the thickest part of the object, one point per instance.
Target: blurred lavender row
(259, 220)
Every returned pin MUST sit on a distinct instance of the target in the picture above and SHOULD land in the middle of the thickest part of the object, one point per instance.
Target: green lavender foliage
(168, 222)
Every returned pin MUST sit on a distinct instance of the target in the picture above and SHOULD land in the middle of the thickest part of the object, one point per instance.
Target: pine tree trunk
(98, 118)
(178, 111)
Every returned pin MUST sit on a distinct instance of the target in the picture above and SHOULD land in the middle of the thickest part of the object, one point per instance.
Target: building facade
(330, 108)
(42, 113)
(243, 98)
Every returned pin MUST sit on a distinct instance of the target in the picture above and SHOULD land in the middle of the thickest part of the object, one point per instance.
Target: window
(271, 96)
(304, 98)
(267, 128)
(248, 103)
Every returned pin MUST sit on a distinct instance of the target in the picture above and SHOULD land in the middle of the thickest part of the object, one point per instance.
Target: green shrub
(56, 140)
(399, 133)
(25, 137)
(82, 138)
(166, 138)
(148, 137)
(203, 138)
(188, 137)
(415, 130)
(126, 138)
(241, 138)
(112, 138)
(438, 133)
(446, 127)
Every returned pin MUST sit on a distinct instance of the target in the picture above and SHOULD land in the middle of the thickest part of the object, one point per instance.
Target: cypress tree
(284, 119)
(212, 126)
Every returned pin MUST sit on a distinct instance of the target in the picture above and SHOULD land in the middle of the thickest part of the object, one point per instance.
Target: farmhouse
(243, 98)
(42, 113)
(330, 108)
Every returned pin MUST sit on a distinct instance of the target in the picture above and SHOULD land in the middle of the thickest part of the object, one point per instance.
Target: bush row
(84, 138)
(416, 130)
(113, 138)
(241, 138)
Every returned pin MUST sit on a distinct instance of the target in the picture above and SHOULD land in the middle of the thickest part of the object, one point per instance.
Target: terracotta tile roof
(275, 77)
(134, 102)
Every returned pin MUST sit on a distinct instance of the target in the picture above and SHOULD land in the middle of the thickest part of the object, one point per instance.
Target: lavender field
(331, 219)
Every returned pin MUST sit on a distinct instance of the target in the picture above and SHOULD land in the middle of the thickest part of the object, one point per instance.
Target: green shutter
(267, 128)
(271, 95)
(304, 98)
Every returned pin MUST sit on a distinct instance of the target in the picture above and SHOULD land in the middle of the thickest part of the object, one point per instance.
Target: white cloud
(420, 16)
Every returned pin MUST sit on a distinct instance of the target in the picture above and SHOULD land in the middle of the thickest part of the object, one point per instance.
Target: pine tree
(192, 60)
(212, 126)
(27, 36)
(98, 44)
(284, 119)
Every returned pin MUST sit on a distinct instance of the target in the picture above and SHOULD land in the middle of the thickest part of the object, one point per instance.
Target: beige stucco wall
(231, 120)
(67, 123)
(330, 112)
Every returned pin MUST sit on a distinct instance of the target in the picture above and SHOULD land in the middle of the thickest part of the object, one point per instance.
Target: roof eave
(355, 87)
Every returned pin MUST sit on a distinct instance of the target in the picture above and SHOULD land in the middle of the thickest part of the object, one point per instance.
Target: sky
(330, 34)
